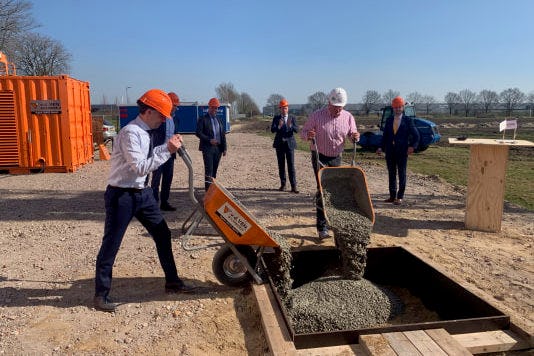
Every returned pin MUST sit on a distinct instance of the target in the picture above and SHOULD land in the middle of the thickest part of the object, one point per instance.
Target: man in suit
(400, 140)
(211, 131)
(165, 172)
(284, 142)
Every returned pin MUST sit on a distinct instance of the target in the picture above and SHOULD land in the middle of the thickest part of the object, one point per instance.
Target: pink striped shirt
(330, 132)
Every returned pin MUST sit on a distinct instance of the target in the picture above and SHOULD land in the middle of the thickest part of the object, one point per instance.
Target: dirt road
(51, 226)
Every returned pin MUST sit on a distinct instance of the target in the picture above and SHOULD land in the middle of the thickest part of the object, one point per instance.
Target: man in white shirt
(127, 195)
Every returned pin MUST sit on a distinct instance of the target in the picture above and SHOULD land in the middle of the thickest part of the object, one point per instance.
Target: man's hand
(410, 150)
(355, 136)
(174, 143)
(311, 134)
(280, 123)
(214, 142)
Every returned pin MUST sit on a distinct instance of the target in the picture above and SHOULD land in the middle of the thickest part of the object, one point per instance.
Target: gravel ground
(51, 226)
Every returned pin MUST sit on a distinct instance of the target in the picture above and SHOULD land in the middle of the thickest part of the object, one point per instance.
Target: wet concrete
(341, 299)
(352, 231)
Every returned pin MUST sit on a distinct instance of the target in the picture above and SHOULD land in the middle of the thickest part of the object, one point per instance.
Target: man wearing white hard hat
(328, 127)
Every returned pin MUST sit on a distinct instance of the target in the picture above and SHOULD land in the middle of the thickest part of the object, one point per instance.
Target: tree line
(465, 100)
(31, 52)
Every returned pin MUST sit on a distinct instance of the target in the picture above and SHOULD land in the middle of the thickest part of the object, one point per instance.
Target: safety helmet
(158, 100)
(214, 102)
(397, 102)
(283, 103)
(338, 97)
(174, 98)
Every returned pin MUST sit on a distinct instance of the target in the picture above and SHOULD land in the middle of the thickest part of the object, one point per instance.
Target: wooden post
(485, 188)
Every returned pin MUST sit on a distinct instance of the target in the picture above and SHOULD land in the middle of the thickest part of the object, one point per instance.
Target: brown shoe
(104, 304)
(179, 287)
(282, 188)
(397, 202)
(390, 200)
(294, 190)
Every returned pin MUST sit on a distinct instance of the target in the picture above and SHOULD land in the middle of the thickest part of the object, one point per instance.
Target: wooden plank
(273, 323)
(491, 141)
(447, 343)
(376, 344)
(423, 343)
(341, 350)
(491, 341)
(401, 345)
(485, 187)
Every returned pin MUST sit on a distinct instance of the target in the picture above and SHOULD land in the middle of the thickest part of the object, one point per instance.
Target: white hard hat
(338, 97)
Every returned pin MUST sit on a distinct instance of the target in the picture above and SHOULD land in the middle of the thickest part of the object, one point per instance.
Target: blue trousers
(212, 156)
(122, 205)
(328, 162)
(163, 174)
(284, 154)
(396, 162)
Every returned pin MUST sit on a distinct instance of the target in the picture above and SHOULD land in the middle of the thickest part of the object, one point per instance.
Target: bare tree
(15, 20)
(273, 101)
(530, 102)
(414, 98)
(389, 95)
(246, 105)
(37, 54)
(511, 97)
(370, 100)
(467, 97)
(227, 93)
(317, 100)
(488, 98)
(452, 99)
(427, 101)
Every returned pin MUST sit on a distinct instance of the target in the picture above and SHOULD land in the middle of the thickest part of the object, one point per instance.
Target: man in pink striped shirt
(328, 127)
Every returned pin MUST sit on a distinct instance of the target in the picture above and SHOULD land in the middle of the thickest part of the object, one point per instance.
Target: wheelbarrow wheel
(229, 270)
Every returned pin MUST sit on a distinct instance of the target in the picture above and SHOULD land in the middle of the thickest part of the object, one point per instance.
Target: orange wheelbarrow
(244, 241)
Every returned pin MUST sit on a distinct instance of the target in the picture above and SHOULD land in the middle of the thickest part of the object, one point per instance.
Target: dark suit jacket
(284, 132)
(205, 133)
(407, 135)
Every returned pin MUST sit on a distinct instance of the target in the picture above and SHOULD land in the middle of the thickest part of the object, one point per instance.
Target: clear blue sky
(294, 48)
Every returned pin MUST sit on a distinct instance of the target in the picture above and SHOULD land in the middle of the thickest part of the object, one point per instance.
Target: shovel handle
(354, 155)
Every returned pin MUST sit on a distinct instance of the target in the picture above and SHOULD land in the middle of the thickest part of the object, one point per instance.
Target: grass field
(451, 163)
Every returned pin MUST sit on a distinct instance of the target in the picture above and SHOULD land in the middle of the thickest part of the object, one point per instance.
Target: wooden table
(485, 186)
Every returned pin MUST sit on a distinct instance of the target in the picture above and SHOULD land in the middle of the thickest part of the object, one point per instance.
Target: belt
(129, 190)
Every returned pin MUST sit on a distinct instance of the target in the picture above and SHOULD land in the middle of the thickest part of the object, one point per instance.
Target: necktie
(396, 124)
(150, 151)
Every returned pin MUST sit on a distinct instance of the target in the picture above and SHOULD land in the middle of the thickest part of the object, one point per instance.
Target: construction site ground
(51, 226)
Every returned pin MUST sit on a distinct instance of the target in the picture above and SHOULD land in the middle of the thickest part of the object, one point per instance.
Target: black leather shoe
(104, 304)
(179, 287)
(167, 207)
(282, 188)
(294, 190)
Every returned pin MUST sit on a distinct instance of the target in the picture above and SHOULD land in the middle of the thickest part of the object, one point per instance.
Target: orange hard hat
(397, 102)
(174, 98)
(214, 102)
(158, 100)
(283, 103)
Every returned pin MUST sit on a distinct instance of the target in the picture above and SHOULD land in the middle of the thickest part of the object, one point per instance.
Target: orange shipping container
(45, 123)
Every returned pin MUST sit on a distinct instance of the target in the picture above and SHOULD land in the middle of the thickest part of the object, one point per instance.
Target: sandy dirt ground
(51, 226)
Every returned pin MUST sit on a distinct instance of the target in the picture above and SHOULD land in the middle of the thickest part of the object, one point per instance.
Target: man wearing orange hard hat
(285, 126)
(211, 131)
(165, 172)
(400, 139)
(128, 195)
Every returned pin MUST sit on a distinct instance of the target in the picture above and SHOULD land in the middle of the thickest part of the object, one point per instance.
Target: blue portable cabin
(185, 118)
